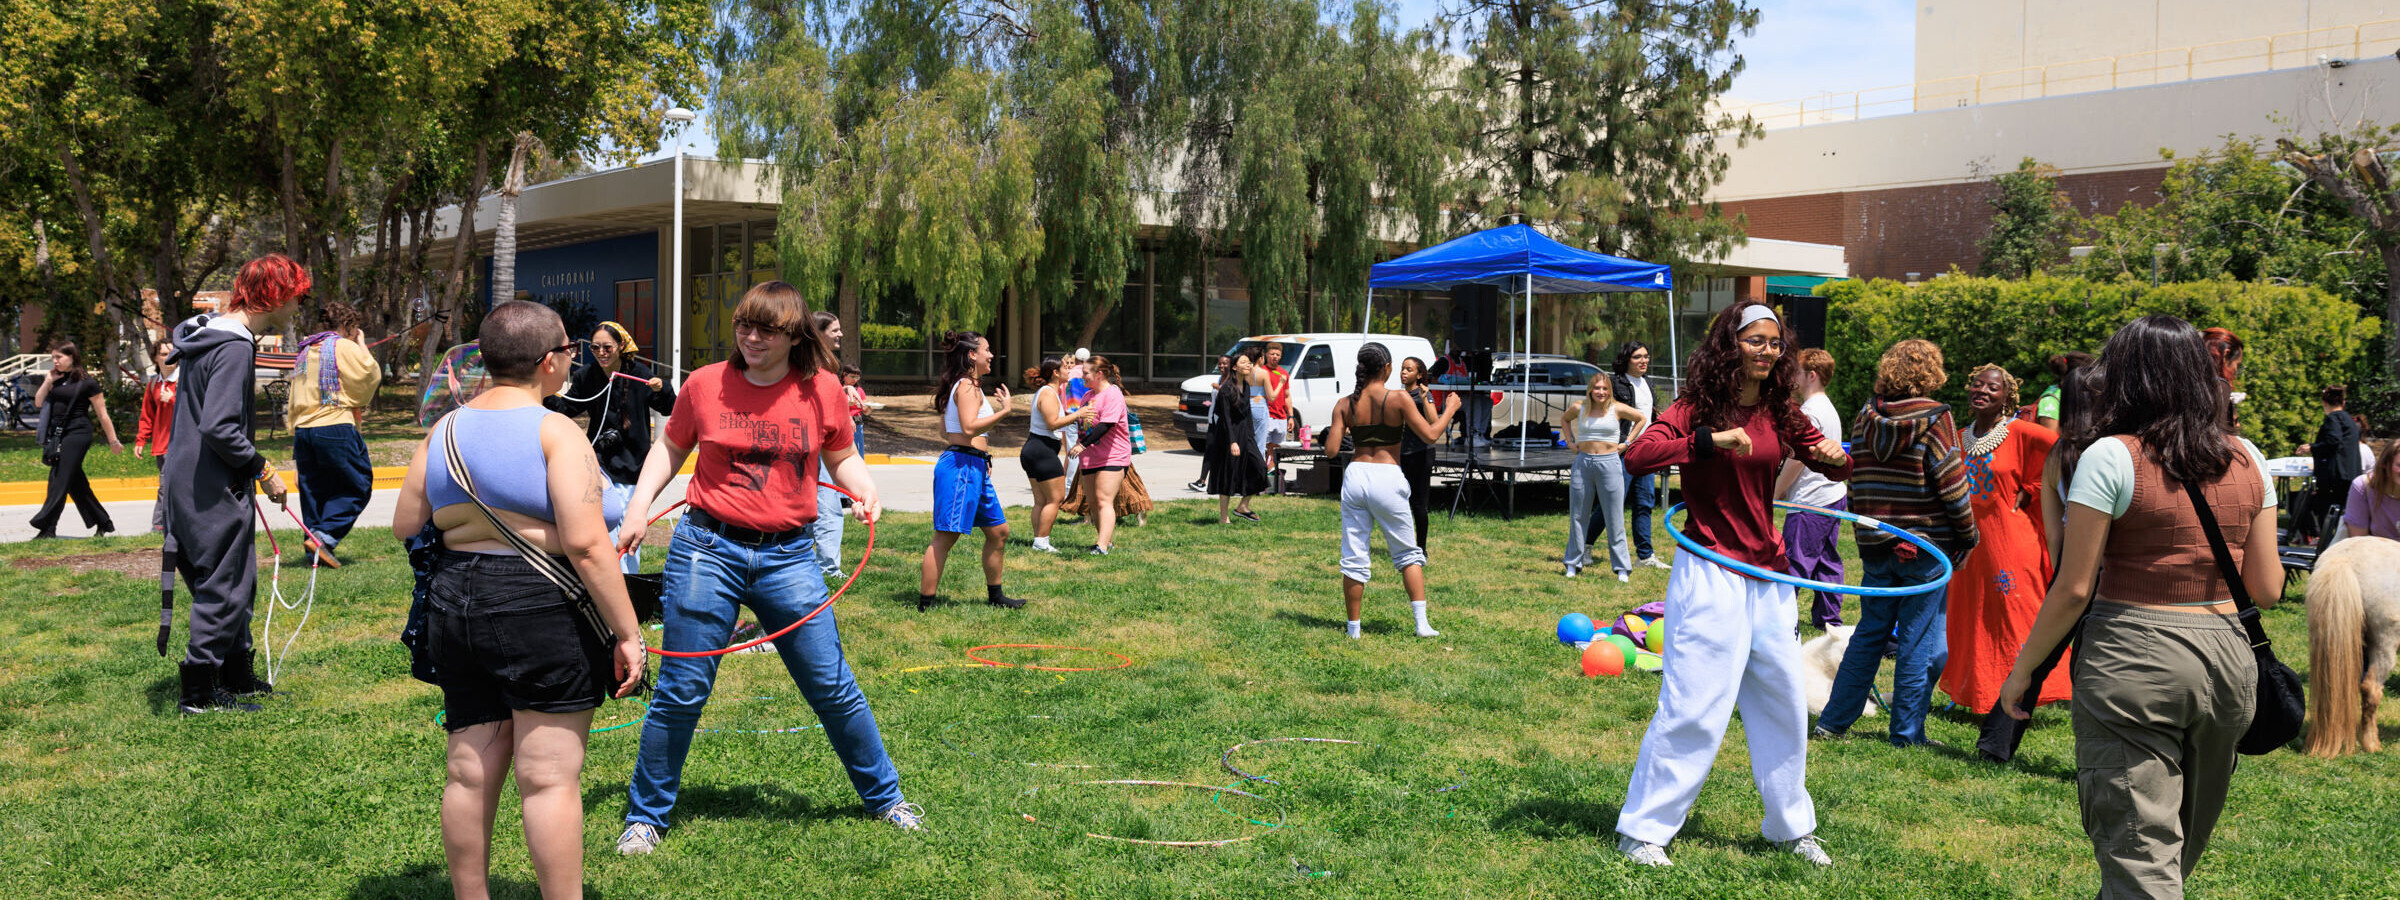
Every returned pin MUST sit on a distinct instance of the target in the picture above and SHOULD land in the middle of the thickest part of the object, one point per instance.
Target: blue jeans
(1643, 492)
(707, 578)
(1916, 621)
(336, 478)
(828, 530)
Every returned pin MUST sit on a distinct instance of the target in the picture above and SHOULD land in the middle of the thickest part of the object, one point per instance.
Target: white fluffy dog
(1819, 659)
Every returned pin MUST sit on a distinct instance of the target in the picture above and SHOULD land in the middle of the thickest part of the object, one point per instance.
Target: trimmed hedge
(2298, 338)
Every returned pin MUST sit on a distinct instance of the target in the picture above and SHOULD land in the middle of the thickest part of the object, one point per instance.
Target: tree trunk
(98, 239)
(504, 228)
(447, 301)
(2391, 308)
(41, 262)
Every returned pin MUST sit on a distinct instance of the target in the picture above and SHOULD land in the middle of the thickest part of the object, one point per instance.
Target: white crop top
(950, 421)
(1599, 428)
(1040, 425)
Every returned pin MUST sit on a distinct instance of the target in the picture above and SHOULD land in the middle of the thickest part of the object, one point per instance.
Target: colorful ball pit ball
(1575, 628)
(1625, 646)
(1603, 658)
(1658, 637)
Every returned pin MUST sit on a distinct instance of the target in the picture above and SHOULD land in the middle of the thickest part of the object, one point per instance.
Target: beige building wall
(1971, 52)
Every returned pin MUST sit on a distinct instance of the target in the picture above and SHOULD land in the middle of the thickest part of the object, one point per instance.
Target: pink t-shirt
(1116, 447)
(2371, 512)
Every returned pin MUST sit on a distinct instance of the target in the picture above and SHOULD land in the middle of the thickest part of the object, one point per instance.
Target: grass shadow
(1309, 620)
(1552, 819)
(751, 801)
(162, 694)
(432, 881)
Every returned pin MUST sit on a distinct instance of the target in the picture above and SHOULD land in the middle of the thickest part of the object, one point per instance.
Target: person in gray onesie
(211, 512)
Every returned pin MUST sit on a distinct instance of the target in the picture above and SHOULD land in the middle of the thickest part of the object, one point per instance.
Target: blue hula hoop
(1797, 582)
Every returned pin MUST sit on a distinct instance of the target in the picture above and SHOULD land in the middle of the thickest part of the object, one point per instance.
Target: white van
(1324, 368)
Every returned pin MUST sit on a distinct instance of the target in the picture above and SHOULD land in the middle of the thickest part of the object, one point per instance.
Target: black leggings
(1418, 469)
(67, 482)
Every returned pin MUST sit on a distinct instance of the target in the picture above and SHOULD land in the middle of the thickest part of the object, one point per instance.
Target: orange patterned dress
(1997, 591)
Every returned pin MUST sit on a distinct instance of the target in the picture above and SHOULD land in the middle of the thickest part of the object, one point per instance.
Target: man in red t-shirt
(1279, 400)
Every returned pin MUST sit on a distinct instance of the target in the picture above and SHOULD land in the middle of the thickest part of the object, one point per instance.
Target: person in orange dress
(1998, 590)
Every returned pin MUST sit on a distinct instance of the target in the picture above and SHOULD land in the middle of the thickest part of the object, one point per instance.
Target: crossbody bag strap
(2247, 611)
(559, 576)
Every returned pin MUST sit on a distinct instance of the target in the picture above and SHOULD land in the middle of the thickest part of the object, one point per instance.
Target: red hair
(267, 283)
(2226, 348)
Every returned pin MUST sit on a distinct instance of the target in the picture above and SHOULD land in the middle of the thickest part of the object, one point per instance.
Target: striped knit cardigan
(1910, 471)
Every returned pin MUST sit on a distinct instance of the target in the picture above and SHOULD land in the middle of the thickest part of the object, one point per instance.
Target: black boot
(240, 679)
(202, 694)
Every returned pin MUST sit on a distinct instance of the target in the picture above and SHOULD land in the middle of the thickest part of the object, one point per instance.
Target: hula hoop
(1797, 582)
(1226, 759)
(971, 651)
(855, 571)
(1221, 790)
(440, 717)
(944, 737)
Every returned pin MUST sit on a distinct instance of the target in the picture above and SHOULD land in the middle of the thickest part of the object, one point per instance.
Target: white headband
(1756, 314)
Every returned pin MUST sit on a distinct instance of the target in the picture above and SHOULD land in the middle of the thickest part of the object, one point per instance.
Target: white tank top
(1599, 428)
(950, 421)
(1040, 425)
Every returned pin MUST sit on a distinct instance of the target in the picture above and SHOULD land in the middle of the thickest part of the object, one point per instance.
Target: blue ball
(1575, 628)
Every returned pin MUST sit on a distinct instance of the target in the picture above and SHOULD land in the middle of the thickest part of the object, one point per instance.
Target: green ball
(1658, 636)
(1623, 643)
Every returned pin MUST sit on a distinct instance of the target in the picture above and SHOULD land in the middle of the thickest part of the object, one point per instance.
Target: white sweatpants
(1731, 640)
(1376, 495)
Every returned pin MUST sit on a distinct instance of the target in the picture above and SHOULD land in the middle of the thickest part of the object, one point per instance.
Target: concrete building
(2098, 88)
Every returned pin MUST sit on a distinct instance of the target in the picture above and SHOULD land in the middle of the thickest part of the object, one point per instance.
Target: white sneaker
(1572, 569)
(905, 816)
(1652, 562)
(638, 840)
(1643, 853)
(1624, 578)
(1806, 847)
(1044, 546)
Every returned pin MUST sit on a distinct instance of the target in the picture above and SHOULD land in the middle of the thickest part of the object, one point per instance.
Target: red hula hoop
(855, 571)
(1128, 661)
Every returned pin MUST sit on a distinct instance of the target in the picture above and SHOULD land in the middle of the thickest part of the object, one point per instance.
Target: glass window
(1318, 363)
(1177, 321)
(637, 309)
(700, 250)
(1228, 303)
(765, 264)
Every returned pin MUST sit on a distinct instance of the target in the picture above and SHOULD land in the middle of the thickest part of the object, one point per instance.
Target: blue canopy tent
(1526, 262)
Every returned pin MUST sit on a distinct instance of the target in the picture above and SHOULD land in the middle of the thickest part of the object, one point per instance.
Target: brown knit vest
(2157, 552)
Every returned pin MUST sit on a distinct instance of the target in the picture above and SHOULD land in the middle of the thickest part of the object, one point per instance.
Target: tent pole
(1525, 369)
(1367, 316)
(1674, 356)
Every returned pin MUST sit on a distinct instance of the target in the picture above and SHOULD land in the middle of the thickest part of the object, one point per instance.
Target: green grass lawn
(332, 791)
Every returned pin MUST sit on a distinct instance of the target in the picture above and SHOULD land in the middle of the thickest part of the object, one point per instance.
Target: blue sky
(1802, 48)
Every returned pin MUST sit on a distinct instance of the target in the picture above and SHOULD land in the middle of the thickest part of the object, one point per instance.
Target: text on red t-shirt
(758, 445)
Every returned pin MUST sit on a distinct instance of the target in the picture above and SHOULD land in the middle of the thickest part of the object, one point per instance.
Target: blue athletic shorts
(963, 498)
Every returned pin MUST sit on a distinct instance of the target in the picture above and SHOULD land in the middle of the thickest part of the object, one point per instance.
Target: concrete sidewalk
(905, 483)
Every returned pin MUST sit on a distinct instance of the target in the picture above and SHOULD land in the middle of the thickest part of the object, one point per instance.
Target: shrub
(2298, 338)
(874, 336)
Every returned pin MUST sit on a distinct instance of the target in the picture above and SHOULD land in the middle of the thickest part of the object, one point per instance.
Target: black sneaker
(1006, 602)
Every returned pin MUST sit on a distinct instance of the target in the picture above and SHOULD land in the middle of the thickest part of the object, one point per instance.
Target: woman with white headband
(1732, 636)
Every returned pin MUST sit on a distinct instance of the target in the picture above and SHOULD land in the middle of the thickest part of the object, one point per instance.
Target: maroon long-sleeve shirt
(1731, 499)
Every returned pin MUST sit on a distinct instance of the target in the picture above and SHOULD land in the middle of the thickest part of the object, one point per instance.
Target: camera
(608, 439)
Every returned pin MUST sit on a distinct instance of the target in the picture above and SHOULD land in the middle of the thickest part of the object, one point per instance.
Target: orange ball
(1603, 658)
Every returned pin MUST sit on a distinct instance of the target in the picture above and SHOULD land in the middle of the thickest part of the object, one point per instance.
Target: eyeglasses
(568, 347)
(744, 326)
(1761, 343)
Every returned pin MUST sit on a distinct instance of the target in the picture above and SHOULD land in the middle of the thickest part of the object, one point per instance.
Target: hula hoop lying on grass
(1126, 661)
(1226, 759)
(1220, 842)
(855, 571)
(1797, 582)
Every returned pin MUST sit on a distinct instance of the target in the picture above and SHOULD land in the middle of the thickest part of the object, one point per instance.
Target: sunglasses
(568, 347)
(743, 326)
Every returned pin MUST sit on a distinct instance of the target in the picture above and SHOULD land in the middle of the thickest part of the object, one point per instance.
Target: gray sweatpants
(1597, 479)
(2161, 697)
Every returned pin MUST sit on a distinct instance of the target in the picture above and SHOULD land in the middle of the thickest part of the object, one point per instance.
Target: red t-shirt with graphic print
(758, 445)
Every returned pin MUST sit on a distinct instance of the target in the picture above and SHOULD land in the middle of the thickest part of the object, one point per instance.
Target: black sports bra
(1377, 434)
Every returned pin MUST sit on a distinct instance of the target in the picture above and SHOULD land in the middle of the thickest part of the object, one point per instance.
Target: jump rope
(307, 603)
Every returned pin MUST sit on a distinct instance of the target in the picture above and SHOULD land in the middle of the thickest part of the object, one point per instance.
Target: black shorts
(1040, 458)
(504, 638)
